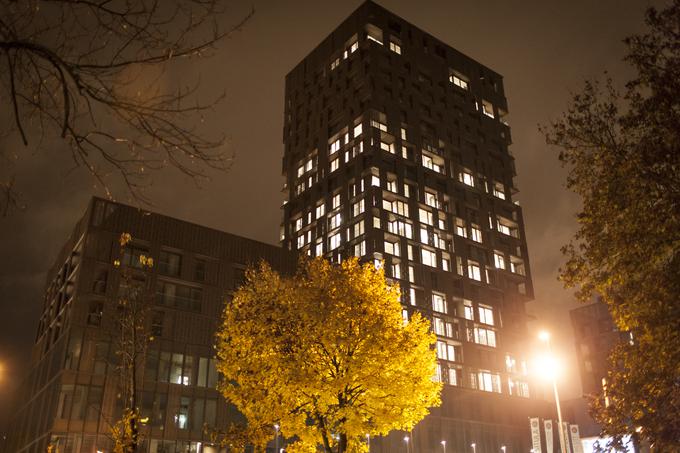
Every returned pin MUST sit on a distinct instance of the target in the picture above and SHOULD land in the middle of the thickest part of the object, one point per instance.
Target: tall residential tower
(396, 150)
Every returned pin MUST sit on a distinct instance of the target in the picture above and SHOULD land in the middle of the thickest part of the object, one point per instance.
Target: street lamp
(406, 439)
(368, 442)
(503, 448)
(276, 436)
(544, 336)
(444, 445)
(474, 447)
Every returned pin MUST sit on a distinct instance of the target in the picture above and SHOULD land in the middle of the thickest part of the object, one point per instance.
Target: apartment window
(396, 207)
(298, 224)
(336, 221)
(403, 134)
(389, 147)
(461, 229)
(488, 382)
(516, 266)
(335, 164)
(374, 34)
(132, 255)
(358, 229)
(335, 146)
(510, 364)
(425, 216)
(358, 129)
(438, 326)
(428, 257)
(318, 251)
(487, 337)
(432, 163)
(499, 190)
(474, 271)
(179, 296)
(459, 81)
(446, 264)
(334, 241)
(507, 227)
(182, 416)
(446, 351)
(518, 388)
(394, 47)
(353, 47)
(396, 271)
(475, 233)
(401, 228)
(336, 201)
(335, 63)
(99, 284)
(466, 178)
(454, 379)
(485, 314)
(360, 249)
(320, 210)
(94, 315)
(468, 312)
(392, 248)
(411, 274)
(375, 181)
(487, 109)
(499, 260)
(439, 303)
(200, 270)
(431, 199)
(358, 208)
(157, 317)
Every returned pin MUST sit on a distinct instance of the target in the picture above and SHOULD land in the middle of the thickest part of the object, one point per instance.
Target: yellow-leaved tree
(326, 356)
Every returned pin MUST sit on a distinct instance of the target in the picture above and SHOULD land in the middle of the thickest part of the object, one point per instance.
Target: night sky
(544, 50)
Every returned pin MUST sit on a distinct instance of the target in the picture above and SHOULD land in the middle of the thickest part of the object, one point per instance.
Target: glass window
(202, 372)
(439, 303)
(176, 369)
(164, 366)
(200, 270)
(182, 415)
(485, 315)
(169, 263)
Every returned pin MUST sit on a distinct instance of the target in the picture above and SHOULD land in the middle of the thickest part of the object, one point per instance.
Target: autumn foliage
(325, 355)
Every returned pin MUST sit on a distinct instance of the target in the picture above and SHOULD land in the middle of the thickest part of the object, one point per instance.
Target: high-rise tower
(396, 150)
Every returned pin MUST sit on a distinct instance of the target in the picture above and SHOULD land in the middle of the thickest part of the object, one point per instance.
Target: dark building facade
(397, 150)
(71, 396)
(595, 335)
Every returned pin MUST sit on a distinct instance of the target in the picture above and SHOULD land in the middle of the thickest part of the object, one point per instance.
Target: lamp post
(444, 445)
(406, 439)
(368, 442)
(503, 448)
(545, 337)
(474, 447)
(276, 437)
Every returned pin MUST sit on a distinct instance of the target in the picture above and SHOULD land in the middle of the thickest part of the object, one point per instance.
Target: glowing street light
(503, 448)
(443, 442)
(474, 447)
(549, 368)
(368, 442)
(406, 439)
(276, 436)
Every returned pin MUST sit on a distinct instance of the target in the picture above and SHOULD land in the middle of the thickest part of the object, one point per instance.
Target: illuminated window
(485, 337)
(392, 248)
(431, 199)
(474, 271)
(335, 63)
(438, 303)
(425, 216)
(358, 208)
(499, 190)
(320, 210)
(335, 164)
(394, 47)
(466, 178)
(429, 258)
(336, 201)
(446, 351)
(392, 186)
(336, 221)
(499, 260)
(487, 109)
(335, 146)
(432, 163)
(403, 133)
(488, 382)
(485, 314)
(459, 81)
(468, 312)
(358, 130)
(396, 207)
(475, 233)
(334, 241)
(461, 230)
(375, 181)
(374, 34)
(360, 249)
(401, 228)
(389, 147)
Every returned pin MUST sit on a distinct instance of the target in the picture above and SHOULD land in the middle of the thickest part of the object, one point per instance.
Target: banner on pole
(575, 439)
(535, 435)
(548, 428)
(565, 436)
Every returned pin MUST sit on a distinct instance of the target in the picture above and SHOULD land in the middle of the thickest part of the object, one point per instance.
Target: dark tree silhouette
(92, 72)
(622, 150)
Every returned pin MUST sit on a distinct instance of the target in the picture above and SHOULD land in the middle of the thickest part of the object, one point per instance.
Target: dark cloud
(544, 50)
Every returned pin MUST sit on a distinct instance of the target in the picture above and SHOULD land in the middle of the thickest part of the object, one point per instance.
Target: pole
(557, 404)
